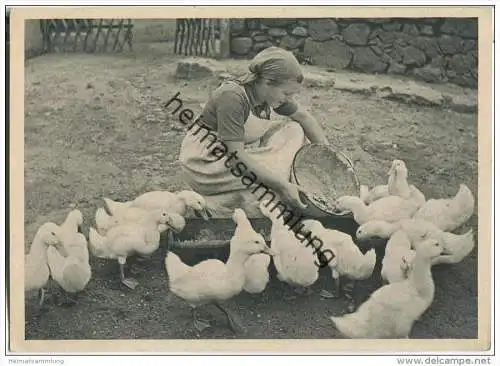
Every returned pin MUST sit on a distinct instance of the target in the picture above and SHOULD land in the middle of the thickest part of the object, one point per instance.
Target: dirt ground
(94, 127)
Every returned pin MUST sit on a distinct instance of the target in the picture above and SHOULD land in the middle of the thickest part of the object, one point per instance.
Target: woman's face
(275, 95)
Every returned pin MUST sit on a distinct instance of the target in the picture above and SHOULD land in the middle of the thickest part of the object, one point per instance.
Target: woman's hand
(290, 193)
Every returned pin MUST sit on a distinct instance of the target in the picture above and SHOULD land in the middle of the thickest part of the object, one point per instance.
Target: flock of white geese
(419, 232)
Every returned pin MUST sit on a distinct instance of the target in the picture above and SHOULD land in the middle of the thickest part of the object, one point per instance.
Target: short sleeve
(231, 114)
(288, 108)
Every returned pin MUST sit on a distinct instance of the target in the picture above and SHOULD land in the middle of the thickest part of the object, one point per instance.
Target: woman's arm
(286, 191)
(312, 128)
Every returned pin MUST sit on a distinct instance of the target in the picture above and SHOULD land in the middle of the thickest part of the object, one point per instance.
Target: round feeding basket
(327, 174)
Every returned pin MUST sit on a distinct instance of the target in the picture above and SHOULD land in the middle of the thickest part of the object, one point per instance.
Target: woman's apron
(272, 143)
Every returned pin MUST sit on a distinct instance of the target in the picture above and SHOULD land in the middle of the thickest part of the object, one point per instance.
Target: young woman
(238, 113)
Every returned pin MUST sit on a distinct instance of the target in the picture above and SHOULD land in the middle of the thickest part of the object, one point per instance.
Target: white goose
(103, 221)
(397, 258)
(449, 214)
(180, 202)
(293, 259)
(141, 238)
(389, 208)
(114, 207)
(349, 261)
(391, 311)
(397, 185)
(213, 281)
(36, 268)
(71, 272)
(455, 246)
(129, 215)
(257, 273)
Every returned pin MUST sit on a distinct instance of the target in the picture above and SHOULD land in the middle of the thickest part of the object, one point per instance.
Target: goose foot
(348, 292)
(236, 327)
(143, 258)
(131, 283)
(61, 297)
(170, 240)
(328, 295)
(67, 300)
(303, 291)
(199, 324)
(351, 307)
(41, 294)
(134, 270)
(337, 289)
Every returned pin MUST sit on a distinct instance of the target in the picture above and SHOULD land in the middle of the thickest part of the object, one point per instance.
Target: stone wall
(429, 49)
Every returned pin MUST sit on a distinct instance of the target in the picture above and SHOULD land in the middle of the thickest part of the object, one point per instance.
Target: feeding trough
(319, 168)
(202, 239)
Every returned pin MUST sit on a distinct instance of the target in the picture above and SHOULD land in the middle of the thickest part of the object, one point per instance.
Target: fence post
(44, 29)
(225, 38)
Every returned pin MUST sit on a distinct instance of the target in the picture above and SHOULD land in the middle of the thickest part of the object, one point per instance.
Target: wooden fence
(202, 37)
(87, 35)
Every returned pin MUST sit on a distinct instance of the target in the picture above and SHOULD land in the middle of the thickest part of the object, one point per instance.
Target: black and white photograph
(205, 176)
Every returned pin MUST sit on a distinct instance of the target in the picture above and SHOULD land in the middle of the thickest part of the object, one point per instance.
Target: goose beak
(61, 249)
(176, 229)
(203, 213)
(163, 227)
(171, 225)
(268, 251)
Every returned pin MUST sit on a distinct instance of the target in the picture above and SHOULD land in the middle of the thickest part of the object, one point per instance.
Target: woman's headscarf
(274, 64)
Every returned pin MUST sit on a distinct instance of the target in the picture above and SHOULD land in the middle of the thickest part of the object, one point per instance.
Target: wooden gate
(200, 37)
(87, 35)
